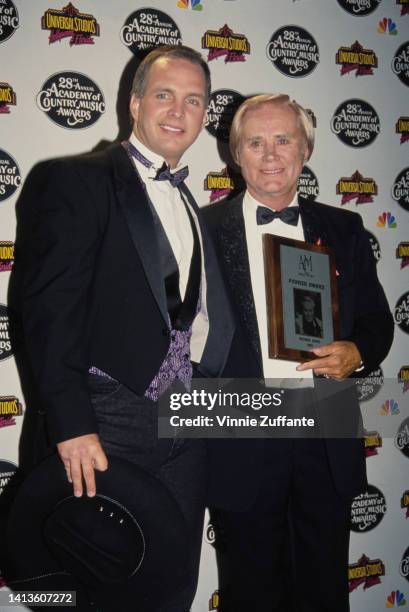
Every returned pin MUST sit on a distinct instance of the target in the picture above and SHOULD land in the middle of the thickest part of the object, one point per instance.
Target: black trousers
(289, 551)
(128, 429)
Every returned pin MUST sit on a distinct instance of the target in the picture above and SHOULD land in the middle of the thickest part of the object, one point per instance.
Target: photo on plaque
(308, 313)
(301, 296)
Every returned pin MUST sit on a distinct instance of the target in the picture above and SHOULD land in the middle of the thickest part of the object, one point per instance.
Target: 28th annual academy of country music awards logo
(375, 246)
(307, 185)
(404, 565)
(71, 100)
(7, 98)
(400, 63)
(358, 188)
(9, 19)
(293, 51)
(221, 109)
(359, 8)
(400, 189)
(401, 312)
(147, 28)
(10, 177)
(225, 43)
(367, 510)
(402, 438)
(69, 22)
(356, 123)
(367, 388)
(7, 471)
(356, 59)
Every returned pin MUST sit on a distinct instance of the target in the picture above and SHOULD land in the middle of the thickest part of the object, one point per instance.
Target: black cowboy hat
(126, 544)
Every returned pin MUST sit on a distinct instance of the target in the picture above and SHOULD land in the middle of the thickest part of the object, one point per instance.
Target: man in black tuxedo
(279, 497)
(123, 295)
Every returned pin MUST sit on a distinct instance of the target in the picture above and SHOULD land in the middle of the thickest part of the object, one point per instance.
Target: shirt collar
(157, 160)
(253, 203)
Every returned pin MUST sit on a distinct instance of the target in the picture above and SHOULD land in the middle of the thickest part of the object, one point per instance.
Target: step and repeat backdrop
(65, 70)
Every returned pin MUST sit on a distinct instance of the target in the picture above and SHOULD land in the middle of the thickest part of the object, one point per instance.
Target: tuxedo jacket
(365, 319)
(94, 292)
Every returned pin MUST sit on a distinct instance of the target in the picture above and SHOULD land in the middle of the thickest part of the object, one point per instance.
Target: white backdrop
(345, 60)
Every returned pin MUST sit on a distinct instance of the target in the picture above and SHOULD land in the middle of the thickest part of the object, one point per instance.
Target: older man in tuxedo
(276, 496)
(123, 295)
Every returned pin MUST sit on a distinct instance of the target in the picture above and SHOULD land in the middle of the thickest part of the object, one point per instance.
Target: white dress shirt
(272, 368)
(167, 202)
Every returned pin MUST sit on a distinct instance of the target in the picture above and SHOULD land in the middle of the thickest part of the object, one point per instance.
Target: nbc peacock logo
(386, 220)
(395, 599)
(389, 408)
(387, 26)
(194, 5)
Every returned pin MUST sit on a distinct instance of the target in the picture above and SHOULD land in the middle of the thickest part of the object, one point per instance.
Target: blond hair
(303, 118)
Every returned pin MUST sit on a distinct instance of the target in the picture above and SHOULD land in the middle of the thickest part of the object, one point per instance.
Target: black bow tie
(287, 215)
(164, 174)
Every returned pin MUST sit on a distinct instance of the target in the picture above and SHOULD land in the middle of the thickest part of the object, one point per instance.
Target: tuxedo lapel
(135, 205)
(236, 260)
(314, 228)
(221, 325)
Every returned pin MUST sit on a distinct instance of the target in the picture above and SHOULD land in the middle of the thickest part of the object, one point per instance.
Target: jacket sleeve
(373, 325)
(62, 251)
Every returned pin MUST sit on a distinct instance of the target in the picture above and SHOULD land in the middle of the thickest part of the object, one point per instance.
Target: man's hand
(336, 360)
(81, 456)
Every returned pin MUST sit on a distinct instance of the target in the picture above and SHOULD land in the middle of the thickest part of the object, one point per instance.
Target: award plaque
(301, 295)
